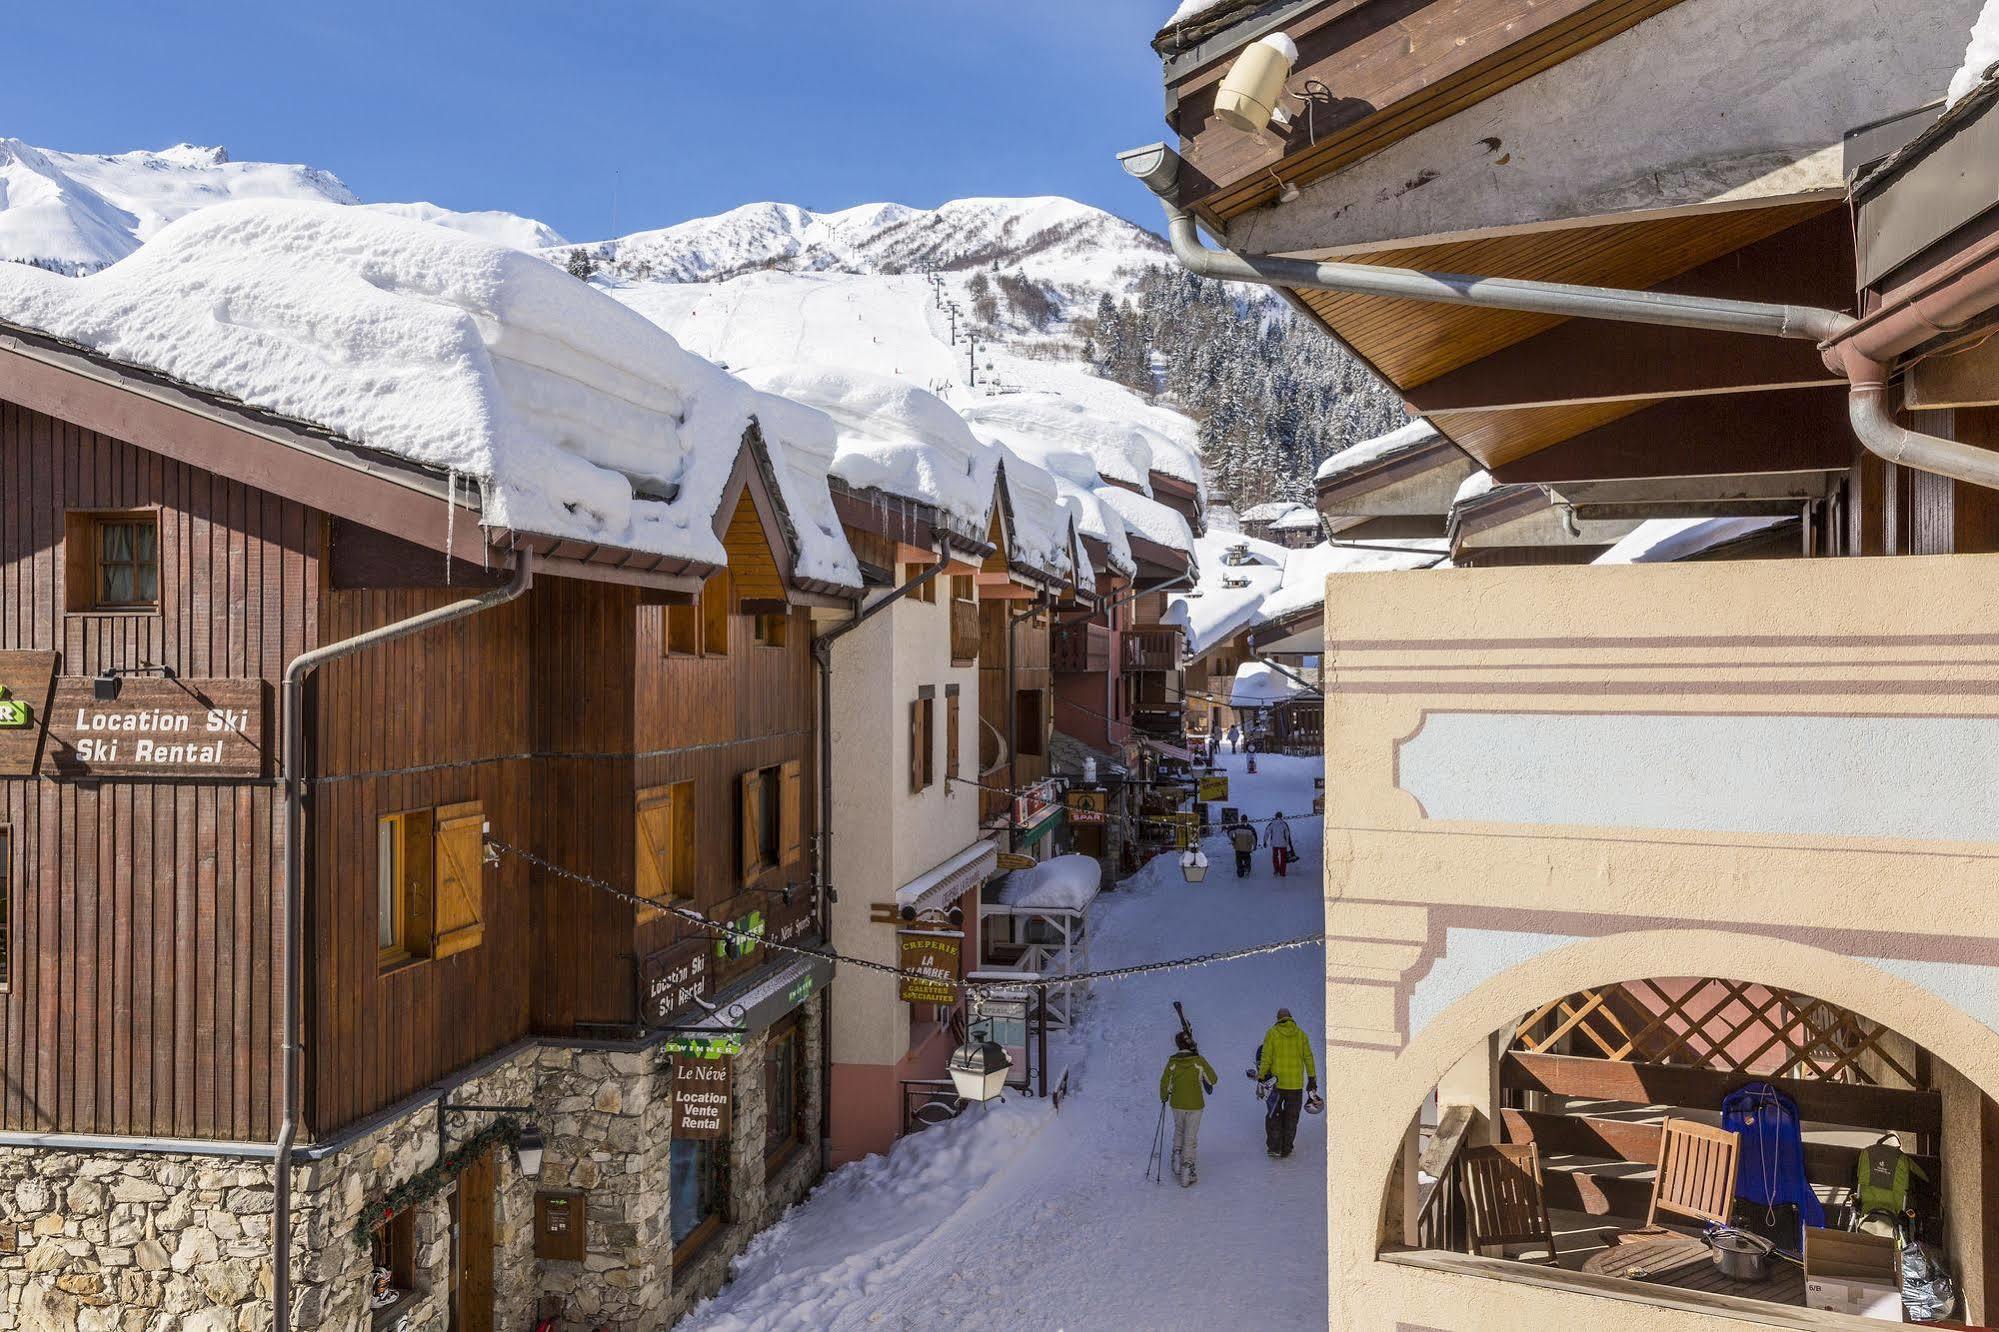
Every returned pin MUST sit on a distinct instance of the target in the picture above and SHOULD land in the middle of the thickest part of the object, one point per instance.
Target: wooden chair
(1696, 1179)
(1504, 1202)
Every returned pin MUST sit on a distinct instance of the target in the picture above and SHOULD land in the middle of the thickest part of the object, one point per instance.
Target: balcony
(1081, 649)
(964, 632)
(1152, 649)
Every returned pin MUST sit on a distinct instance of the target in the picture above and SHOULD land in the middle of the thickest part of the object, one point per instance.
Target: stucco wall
(1542, 780)
(1710, 102)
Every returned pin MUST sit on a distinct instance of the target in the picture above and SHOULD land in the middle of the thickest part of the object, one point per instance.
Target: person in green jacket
(1285, 1057)
(1184, 1086)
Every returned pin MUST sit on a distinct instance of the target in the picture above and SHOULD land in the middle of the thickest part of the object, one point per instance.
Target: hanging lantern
(528, 1149)
(979, 1070)
(1194, 865)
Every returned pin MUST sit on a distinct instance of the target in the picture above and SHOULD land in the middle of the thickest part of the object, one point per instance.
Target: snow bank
(1662, 540)
(1979, 54)
(573, 416)
(1369, 451)
(501, 228)
(1061, 883)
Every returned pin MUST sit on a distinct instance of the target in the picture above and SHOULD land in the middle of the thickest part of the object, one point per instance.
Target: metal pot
(1739, 1255)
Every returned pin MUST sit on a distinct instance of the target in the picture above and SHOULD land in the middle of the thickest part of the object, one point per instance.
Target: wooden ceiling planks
(1388, 80)
(1413, 342)
(1496, 438)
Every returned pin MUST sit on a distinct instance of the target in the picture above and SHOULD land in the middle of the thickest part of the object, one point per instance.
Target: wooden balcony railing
(1153, 649)
(1081, 649)
(964, 632)
(1438, 1210)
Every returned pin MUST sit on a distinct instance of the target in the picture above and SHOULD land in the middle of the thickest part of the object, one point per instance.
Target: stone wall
(154, 1242)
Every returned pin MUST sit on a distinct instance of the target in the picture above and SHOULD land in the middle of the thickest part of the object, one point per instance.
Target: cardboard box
(1851, 1273)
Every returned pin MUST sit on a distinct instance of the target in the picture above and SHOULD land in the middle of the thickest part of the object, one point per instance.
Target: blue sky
(688, 106)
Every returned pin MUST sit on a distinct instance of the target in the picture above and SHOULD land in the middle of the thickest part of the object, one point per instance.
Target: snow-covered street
(1016, 1217)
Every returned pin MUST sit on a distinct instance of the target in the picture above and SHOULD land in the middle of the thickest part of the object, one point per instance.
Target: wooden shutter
(683, 839)
(750, 834)
(916, 744)
(653, 845)
(791, 810)
(717, 598)
(951, 734)
(458, 916)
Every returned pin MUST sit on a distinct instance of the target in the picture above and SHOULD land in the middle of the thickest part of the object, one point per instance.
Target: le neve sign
(702, 1097)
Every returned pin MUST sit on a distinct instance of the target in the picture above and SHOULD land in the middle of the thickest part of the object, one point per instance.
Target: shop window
(951, 736)
(772, 630)
(922, 739)
(392, 1260)
(1030, 726)
(698, 1192)
(718, 606)
(112, 560)
(784, 1089)
(430, 893)
(664, 840)
(771, 803)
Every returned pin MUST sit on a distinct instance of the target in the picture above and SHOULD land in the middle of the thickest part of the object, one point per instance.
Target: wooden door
(472, 1283)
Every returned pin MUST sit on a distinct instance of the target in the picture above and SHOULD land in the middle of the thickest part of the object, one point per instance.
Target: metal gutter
(292, 848)
(1970, 284)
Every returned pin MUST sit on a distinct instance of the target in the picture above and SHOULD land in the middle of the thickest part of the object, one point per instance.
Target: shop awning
(1030, 836)
(937, 888)
(766, 995)
(1169, 750)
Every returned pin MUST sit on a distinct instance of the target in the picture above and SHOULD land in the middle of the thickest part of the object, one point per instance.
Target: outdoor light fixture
(1194, 865)
(979, 1069)
(1249, 93)
(104, 686)
(528, 1149)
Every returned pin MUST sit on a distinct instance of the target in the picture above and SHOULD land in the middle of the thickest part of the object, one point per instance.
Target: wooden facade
(143, 956)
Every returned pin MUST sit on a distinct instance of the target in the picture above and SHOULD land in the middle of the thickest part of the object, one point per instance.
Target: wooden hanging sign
(937, 956)
(157, 728)
(27, 682)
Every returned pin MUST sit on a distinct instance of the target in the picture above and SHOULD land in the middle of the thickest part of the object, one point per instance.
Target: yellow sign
(1214, 788)
(1009, 861)
(1189, 831)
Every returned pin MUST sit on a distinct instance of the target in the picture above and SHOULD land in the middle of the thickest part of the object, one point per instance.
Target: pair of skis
(1154, 1169)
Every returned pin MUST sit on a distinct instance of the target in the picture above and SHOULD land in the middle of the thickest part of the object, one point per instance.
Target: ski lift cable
(967, 987)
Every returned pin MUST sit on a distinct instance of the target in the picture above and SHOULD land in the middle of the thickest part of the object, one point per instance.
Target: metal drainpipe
(822, 657)
(291, 776)
(1158, 167)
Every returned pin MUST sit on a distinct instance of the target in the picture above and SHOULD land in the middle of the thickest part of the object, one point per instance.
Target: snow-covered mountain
(1046, 240)
(79, 212)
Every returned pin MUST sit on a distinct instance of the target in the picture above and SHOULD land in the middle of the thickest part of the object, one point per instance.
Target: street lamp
(979, 1069)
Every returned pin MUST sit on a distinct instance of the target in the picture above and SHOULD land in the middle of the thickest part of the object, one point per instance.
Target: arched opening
(1610, 1135)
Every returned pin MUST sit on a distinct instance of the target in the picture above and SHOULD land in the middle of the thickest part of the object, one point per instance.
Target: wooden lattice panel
(1728, 1026)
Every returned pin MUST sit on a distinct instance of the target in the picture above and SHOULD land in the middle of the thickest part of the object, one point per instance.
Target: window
(112, 560)
(926, 593)
(683, 630)
(784, 1089)
(392, 1247)
(771, 805)
(962, 588)
(950, 731)
(1030, 731)
(772, 630)
(698, 1190)
(922, 733)
(430, 890)
(717, 606)
(665, 845)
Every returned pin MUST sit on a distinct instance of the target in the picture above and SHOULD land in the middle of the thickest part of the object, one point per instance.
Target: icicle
(450, 522)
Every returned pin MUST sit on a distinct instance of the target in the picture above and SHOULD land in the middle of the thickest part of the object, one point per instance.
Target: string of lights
(754, 938)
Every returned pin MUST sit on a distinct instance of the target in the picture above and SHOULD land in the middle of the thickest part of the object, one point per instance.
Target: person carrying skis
(1184, 1086)
(1242, 836)
(1285, 1057)
(1277, 836)
(1235, 738)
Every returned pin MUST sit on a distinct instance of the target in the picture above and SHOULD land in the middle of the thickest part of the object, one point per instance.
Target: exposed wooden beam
(1791, 431)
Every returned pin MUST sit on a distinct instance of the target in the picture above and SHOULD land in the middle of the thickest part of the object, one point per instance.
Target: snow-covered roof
(573, 416)
(1075, 480)
(1040, 531)
(1148, 518)
(1305, 571)
(1220, 610)
(1302, 518)
(1472, 487)
(1980, 53)
(1257, 685)
(1060, 883)
(1662, 540)
(1269, 512)
(1369, 451)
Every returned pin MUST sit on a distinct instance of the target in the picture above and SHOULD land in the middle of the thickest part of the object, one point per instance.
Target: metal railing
(928, 1101)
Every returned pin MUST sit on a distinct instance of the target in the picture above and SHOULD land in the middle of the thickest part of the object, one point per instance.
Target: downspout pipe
(1158, 167)
(822, 657)
(292, 849)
